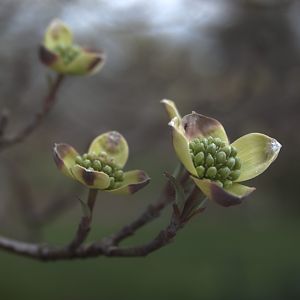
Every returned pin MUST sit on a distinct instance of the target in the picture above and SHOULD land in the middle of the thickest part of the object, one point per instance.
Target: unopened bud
(211, 172)
(230, 162)
(200, 171)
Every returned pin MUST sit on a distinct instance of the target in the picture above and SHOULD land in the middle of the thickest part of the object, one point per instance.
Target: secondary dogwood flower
(102, 166)
(60, 54)
(215, 165)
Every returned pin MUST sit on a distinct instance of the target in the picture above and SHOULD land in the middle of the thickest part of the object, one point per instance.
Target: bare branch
(84, 226)
(57, 206)
(108, 246)
(151, 213)
(37, 217)
(8, 141)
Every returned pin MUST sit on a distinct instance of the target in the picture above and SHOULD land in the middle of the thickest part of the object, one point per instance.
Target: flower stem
(84, 226)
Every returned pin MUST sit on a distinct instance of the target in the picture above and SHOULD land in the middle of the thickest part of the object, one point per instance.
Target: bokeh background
(236, 60)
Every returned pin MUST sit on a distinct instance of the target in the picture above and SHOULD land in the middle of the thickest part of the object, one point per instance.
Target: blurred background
(235, 60)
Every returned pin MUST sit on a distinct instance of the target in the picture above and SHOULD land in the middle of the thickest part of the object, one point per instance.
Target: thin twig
(151, 212)
(8, 141)
(105, 248)
(34, 217)
(84, 226)
(56, 207)
(108, 246)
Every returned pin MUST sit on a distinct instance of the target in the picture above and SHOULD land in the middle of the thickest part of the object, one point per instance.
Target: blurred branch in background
(7, 140)
(35, 218)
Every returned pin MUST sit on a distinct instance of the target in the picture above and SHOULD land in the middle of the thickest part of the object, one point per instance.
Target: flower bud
(199, 147)
(221, 157)
(200, 171)
(59, 53)
(192, 145)
(211, 172)
(107, 169)
(233, 151)
(224, 172)
(78, 160)
(86, 163)
(235, 175)
(212, 148)
(204, 141)
(210, 139)
(209, 160)
(97, 165)
(237, 164)
(218, 141)
(230, 162)
(227, 183)
(91, 156)
(112, 182)
(119, 175)
(227, 150)
(199, 158)
(219, 183)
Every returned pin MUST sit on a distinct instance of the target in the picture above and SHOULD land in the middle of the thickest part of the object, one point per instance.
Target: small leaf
(195, 212)
(85, 209)
(179, 171)
(180, 196)
(176, 213)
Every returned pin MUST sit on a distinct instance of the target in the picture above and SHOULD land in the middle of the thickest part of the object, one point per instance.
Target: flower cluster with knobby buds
(209, 165)
(215, 165)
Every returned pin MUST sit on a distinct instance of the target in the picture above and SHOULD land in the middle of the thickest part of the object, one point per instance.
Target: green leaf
(179, 192)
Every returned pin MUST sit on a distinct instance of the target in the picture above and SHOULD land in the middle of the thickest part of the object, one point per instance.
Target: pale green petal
(113, 144)
(86, 63)
(50, 58)
(91, 179)
(64, 157)
(198, 126)
(256, 152)
(225, 197)
(133, 181)
(171, 109)
(181, 146)
(57, 34)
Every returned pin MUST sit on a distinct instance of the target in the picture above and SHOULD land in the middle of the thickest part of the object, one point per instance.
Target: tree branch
(152, 212)
(84, 226)
(8, 141)
(108, 246)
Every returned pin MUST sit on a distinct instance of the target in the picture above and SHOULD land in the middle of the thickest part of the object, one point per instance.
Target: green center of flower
(102, 163)
(67, 53)
(215, 160)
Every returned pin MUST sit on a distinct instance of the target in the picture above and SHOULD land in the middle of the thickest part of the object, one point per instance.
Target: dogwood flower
(216, 166)
(59, 53)
(102, 166)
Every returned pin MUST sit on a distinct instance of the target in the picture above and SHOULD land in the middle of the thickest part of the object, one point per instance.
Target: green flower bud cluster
(215, 160)
(67, 53)
(102, 163)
